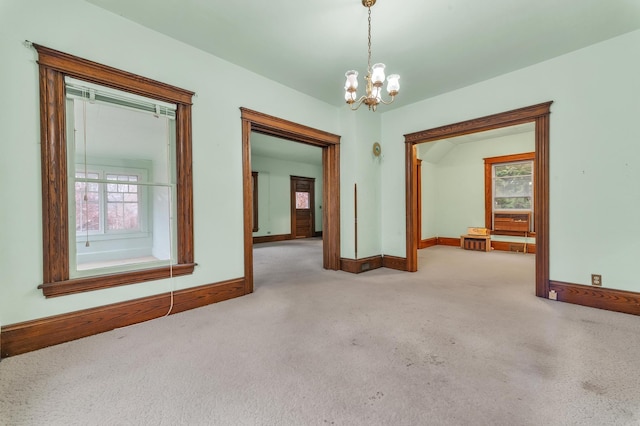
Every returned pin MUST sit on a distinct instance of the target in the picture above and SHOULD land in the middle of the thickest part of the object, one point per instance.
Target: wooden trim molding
(53, 67)
(272, 238)
(79, 285)
(429, 242)
(539, 114)
(281, 128)
(253, 121)
(73, 66)
(597, 297)
(446, 241)
(482, 124)
(29, 336)
(356, 266)
(394, 262)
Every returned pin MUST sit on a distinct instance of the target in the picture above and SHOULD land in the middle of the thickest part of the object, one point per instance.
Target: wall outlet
(553, 295)
(596, 280)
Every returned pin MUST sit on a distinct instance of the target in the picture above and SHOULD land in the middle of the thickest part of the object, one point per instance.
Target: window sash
(512, 192)
(103, 182)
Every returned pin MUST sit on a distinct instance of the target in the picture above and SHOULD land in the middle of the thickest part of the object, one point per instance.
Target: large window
(116, 167)
(509, 194)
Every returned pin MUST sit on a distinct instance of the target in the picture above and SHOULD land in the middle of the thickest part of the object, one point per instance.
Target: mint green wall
(453, 185)
(81, 29)
(274, 193)
(594, 170)
(358, 165)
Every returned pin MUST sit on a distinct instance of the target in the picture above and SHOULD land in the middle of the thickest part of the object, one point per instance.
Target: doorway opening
(253, 121)
(537, 114)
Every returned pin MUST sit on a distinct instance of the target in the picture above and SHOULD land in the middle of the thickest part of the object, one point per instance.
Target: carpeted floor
(462, 342)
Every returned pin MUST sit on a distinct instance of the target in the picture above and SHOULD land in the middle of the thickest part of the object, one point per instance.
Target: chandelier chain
(369, 51)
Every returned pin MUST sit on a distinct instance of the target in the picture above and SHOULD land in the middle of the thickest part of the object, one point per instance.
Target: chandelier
(375, 79)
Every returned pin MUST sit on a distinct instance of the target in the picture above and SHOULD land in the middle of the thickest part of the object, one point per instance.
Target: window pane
(513, 169)
(513, 186)
(87, 200)
(522, 203)
(130, 220)
(138, 224)
(122, 203)
(114, 197)
(302, 200)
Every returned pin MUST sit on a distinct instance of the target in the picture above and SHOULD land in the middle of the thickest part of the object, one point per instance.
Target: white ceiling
(434, 152)
(435, 45)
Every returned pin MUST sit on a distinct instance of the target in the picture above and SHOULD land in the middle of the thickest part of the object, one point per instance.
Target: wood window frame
(54, 66)
(254, 190)
(488, 189)
(538, 114)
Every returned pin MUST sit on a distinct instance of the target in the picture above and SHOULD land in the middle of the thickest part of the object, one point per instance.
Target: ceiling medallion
(375, 79)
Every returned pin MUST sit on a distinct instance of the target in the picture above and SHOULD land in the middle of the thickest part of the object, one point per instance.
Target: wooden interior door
(302, 207)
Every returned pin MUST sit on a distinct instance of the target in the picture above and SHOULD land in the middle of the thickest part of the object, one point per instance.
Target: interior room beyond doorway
(481, 180)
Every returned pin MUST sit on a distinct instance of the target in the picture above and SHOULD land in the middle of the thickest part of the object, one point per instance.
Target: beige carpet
(462, 342)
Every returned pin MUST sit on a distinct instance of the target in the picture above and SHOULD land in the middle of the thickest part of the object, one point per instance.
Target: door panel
(302, 207)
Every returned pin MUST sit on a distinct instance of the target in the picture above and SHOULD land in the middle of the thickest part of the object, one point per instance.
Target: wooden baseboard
(496, 245)
(429, 242)
(445, 241)
(626, 302)
(356, 266)
(512, 246)
(272, 238)
(317, 234)
(29, 336)
(393, 262)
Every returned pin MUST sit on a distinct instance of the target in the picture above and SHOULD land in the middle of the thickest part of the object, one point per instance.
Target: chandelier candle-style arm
(375, 79)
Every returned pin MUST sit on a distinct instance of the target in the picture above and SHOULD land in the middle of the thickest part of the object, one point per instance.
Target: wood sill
(513, 233)
(80, 285)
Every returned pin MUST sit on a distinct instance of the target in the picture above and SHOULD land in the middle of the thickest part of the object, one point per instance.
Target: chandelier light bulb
(393, 84)
(349, 97)
(352, 80)
(377, 74)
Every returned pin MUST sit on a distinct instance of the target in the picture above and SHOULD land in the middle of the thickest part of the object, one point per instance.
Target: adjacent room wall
(453, 182)
(594, 171)
(274, 193)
